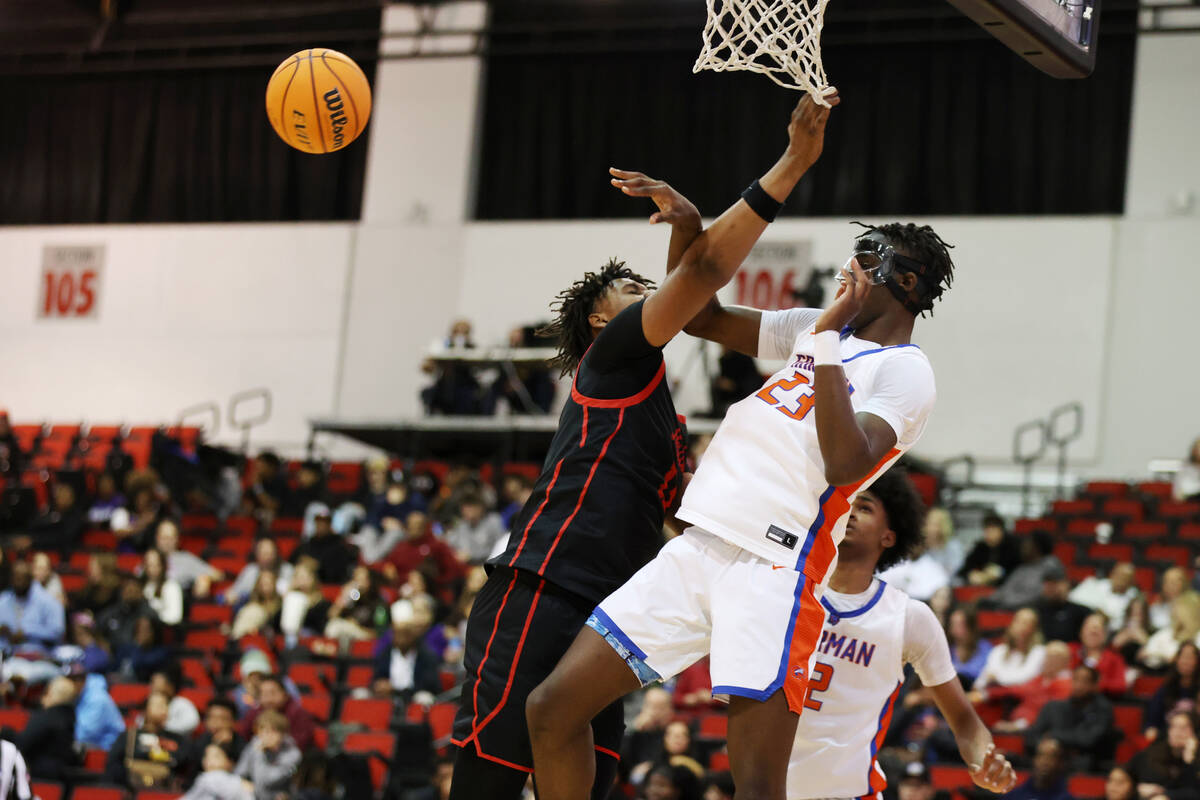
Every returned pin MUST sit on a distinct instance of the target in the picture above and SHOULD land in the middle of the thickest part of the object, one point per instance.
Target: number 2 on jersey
(822, 674)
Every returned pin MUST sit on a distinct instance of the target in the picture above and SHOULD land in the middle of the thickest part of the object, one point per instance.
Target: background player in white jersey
(871, 631)
(767, 507)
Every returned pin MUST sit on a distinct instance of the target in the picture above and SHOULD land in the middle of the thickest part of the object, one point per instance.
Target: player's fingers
(624, 173)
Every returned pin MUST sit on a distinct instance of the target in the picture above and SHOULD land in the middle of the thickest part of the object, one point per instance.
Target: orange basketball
(318, 101)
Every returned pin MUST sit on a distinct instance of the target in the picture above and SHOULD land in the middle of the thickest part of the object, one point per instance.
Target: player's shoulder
(920, 623)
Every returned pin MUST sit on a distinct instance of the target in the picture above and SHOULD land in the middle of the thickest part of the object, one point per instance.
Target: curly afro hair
(571, 329)
(905, 516)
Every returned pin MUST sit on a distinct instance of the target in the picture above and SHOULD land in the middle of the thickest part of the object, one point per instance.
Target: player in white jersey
(871, 631)
(767, 507)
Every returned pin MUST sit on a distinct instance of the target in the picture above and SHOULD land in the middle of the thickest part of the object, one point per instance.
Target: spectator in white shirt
(182, 716)
(476, 531)
(43, 573)
(920, 578)
(1019, 657)
(191, 571)
(1185, 627)
(1186, 485)
(1109, 595)
(1174, 584)
(163, 594)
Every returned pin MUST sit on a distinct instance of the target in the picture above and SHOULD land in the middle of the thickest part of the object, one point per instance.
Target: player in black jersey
(614, 470)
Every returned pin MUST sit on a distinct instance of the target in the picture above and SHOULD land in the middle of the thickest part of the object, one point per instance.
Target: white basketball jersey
(761, 483)
(856, 674)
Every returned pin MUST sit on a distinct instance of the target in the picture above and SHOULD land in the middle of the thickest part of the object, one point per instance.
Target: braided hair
(571, 328)
(905, 516)
(921, 243)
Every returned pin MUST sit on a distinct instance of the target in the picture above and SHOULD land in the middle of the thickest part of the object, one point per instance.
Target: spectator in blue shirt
(98, 722)
(968, 652)
(30, 617)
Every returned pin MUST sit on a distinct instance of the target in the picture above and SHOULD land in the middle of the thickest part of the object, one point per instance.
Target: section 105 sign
(70, 284)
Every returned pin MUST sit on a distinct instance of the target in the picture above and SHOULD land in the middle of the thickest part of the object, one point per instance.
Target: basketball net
(778, 38)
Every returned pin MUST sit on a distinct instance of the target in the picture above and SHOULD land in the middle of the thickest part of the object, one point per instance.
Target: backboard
(1057, 36)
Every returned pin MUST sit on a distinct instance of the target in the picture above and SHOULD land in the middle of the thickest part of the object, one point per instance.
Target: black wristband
(761, 203)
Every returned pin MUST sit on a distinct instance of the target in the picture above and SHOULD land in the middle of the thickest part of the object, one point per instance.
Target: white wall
(187, 313)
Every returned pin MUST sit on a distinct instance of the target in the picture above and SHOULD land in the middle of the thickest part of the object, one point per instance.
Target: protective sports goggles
(876, 257)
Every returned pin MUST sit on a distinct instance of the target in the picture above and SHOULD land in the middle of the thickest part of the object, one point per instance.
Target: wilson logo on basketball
(337, 117)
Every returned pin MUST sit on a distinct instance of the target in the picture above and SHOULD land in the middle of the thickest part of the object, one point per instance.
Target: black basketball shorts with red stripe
(519, 628)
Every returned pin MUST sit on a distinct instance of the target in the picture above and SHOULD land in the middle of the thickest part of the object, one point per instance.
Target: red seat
(256, 641)
(344, 477)
(441, 720)
(1181, 556)
(129, 695)
(319, 704)
(719, 761)
(198, 523)
(287, 525)
(315, 678)
(210, 614)
(1128, 719)
(1121, 507)
(1161, 489)
(287, 545)
(200, 697)
(1011, 744)
(380, 744)
(98, 793)
(1026, 526)
(197, 672)
(230, 565)
(1072, 508)
(1110, 552)
(362, 648)
(713, 726)
(206, 641)
(1082, 526)
(100, 540)
(1106, 488)
(969, 594)
(236, 546)
(1145, 579)
(47, 791)
(1189, 531)
(375, 714)
(1138, 529)
(1078, 574)
(193, 544)
(949, 778)
(1172, 510)
(15, 718)
(330, 591)
(73, 583)
(321, 738)
(94, 760)
(359, 676)
(244, 527)
(992, 621)
(1065, 551)
(158, 796)
(1146, 685)
(103, 433)
(1086, 787)
(129, 562)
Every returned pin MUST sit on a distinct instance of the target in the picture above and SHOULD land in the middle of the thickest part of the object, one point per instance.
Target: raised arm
(714, 255)
(988, 767)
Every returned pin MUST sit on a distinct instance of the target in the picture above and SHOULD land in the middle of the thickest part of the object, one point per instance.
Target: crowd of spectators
(393, 564)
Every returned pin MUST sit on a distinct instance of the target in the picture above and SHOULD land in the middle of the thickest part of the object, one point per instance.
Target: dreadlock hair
(571, 329)
(922, 244)
(905, 516)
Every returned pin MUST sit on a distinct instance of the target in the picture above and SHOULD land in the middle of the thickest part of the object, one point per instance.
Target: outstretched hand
(849, 300)
(994, 773)
(806, 130)
(673, 207)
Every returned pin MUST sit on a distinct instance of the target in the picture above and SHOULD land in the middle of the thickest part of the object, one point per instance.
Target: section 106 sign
(772, 273)
(70, 284)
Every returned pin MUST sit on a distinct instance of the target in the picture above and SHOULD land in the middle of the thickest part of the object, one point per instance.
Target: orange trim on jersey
(536, 514)
(583, 492)
(483, 661)
(806, 633)
(877, 782)
(622, 402)
(512, 668)
(837, 505)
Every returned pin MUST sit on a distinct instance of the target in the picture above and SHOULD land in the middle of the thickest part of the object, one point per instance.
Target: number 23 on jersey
(792, 396)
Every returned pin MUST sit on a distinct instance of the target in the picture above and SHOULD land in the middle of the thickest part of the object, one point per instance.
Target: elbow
(843, 475)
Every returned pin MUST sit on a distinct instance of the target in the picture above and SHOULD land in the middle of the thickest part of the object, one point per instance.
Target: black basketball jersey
(615, 465)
